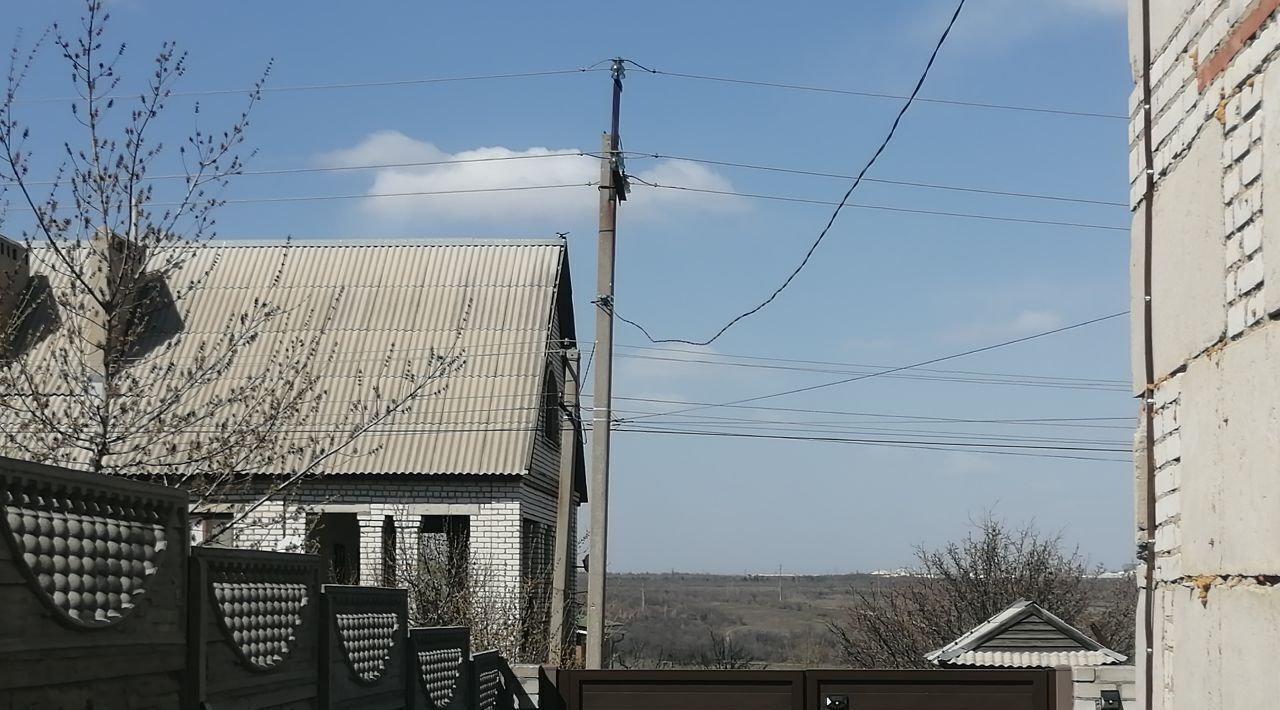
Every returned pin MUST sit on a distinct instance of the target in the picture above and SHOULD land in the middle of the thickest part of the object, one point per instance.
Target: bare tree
(449, 587)
(96, 370)
(964, 583)
(724, 654)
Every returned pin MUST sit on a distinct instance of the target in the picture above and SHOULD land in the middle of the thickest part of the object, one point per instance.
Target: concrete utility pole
(563, 567)
(613, 189)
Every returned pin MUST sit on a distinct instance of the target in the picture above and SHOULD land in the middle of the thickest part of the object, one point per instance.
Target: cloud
(670, 365)
(1026, 322)
(492, 171)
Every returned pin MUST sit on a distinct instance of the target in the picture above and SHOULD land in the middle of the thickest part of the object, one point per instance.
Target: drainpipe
(1148, 392)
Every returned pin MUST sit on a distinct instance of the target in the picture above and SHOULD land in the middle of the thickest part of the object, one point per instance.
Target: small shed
(1024, 635)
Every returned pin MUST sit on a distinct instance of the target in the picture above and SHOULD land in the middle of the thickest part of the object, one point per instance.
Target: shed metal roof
(1024, 635)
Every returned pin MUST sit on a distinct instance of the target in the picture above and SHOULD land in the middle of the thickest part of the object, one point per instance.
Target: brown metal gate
(815, 690)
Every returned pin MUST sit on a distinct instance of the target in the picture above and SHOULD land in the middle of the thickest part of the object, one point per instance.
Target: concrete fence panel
(442, 666)
(254, 629)
(366, 648)
(93, 575)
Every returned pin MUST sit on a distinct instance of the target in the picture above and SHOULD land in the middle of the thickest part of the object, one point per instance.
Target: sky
(886, 288)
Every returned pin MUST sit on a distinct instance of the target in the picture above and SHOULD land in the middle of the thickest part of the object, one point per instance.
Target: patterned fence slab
(366, 648)
(491, 692)
(255, 630)
(442, 663)
(93, 574)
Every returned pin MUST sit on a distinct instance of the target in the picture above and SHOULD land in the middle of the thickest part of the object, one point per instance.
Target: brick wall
(495, 507)
(1215, 296)
(1087, 684)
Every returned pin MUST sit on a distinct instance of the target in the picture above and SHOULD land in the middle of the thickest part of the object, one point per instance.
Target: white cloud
(1026, 322)
(672, 364)
(492, 169)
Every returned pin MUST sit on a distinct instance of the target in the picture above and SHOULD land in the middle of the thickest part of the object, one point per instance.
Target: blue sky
(886, 288)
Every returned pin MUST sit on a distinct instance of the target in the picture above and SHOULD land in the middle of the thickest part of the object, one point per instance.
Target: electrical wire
(864, 206)
(1094, 387)
(893, 129)
(1030, 450)
(761, 358)
(883, 181)
(346, 85)
(887, 443)
(893, 370)
(879, 95)
(342, 168)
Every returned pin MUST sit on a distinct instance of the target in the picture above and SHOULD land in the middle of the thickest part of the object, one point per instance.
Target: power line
(857, 181)
(886, 443)
(1035, 451)
(341, 168)
(864, 206)
(634, 154)
(836, 428)
(890, 418)
(977, 445)
(884, 181)
(879, 95)
(333, 86)
(739, 356)
(892, 370)
(358, 196)
(1095, 387)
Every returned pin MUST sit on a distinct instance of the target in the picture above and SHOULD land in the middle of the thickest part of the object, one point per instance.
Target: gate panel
(931, 690)
(682, 690)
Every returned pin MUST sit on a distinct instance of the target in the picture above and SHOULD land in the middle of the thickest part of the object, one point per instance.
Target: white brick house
(476, 460)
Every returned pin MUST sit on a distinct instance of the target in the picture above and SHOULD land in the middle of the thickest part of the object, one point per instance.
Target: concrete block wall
(1087, 684)
(1215, 301)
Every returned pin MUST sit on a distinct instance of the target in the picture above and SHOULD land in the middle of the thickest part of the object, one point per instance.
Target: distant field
(779, 621)
(674, 619)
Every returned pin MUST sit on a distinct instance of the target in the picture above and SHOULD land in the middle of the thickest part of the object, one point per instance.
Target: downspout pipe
(1148, 547)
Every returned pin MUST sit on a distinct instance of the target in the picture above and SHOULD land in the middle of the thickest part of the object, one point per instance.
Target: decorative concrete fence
(92, 582)
(442, 661)
(254, 630)
(104, 607)
(490, 686)
(366, 651)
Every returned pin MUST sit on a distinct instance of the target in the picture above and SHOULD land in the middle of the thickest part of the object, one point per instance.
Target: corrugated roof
(1032, 659)
(1024, 635)
(490, 302)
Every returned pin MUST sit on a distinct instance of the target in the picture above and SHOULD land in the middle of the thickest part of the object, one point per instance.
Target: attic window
(551, 408)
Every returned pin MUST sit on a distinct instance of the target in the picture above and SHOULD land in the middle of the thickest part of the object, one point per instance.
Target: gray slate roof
(411, 297)
(1024, 635)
